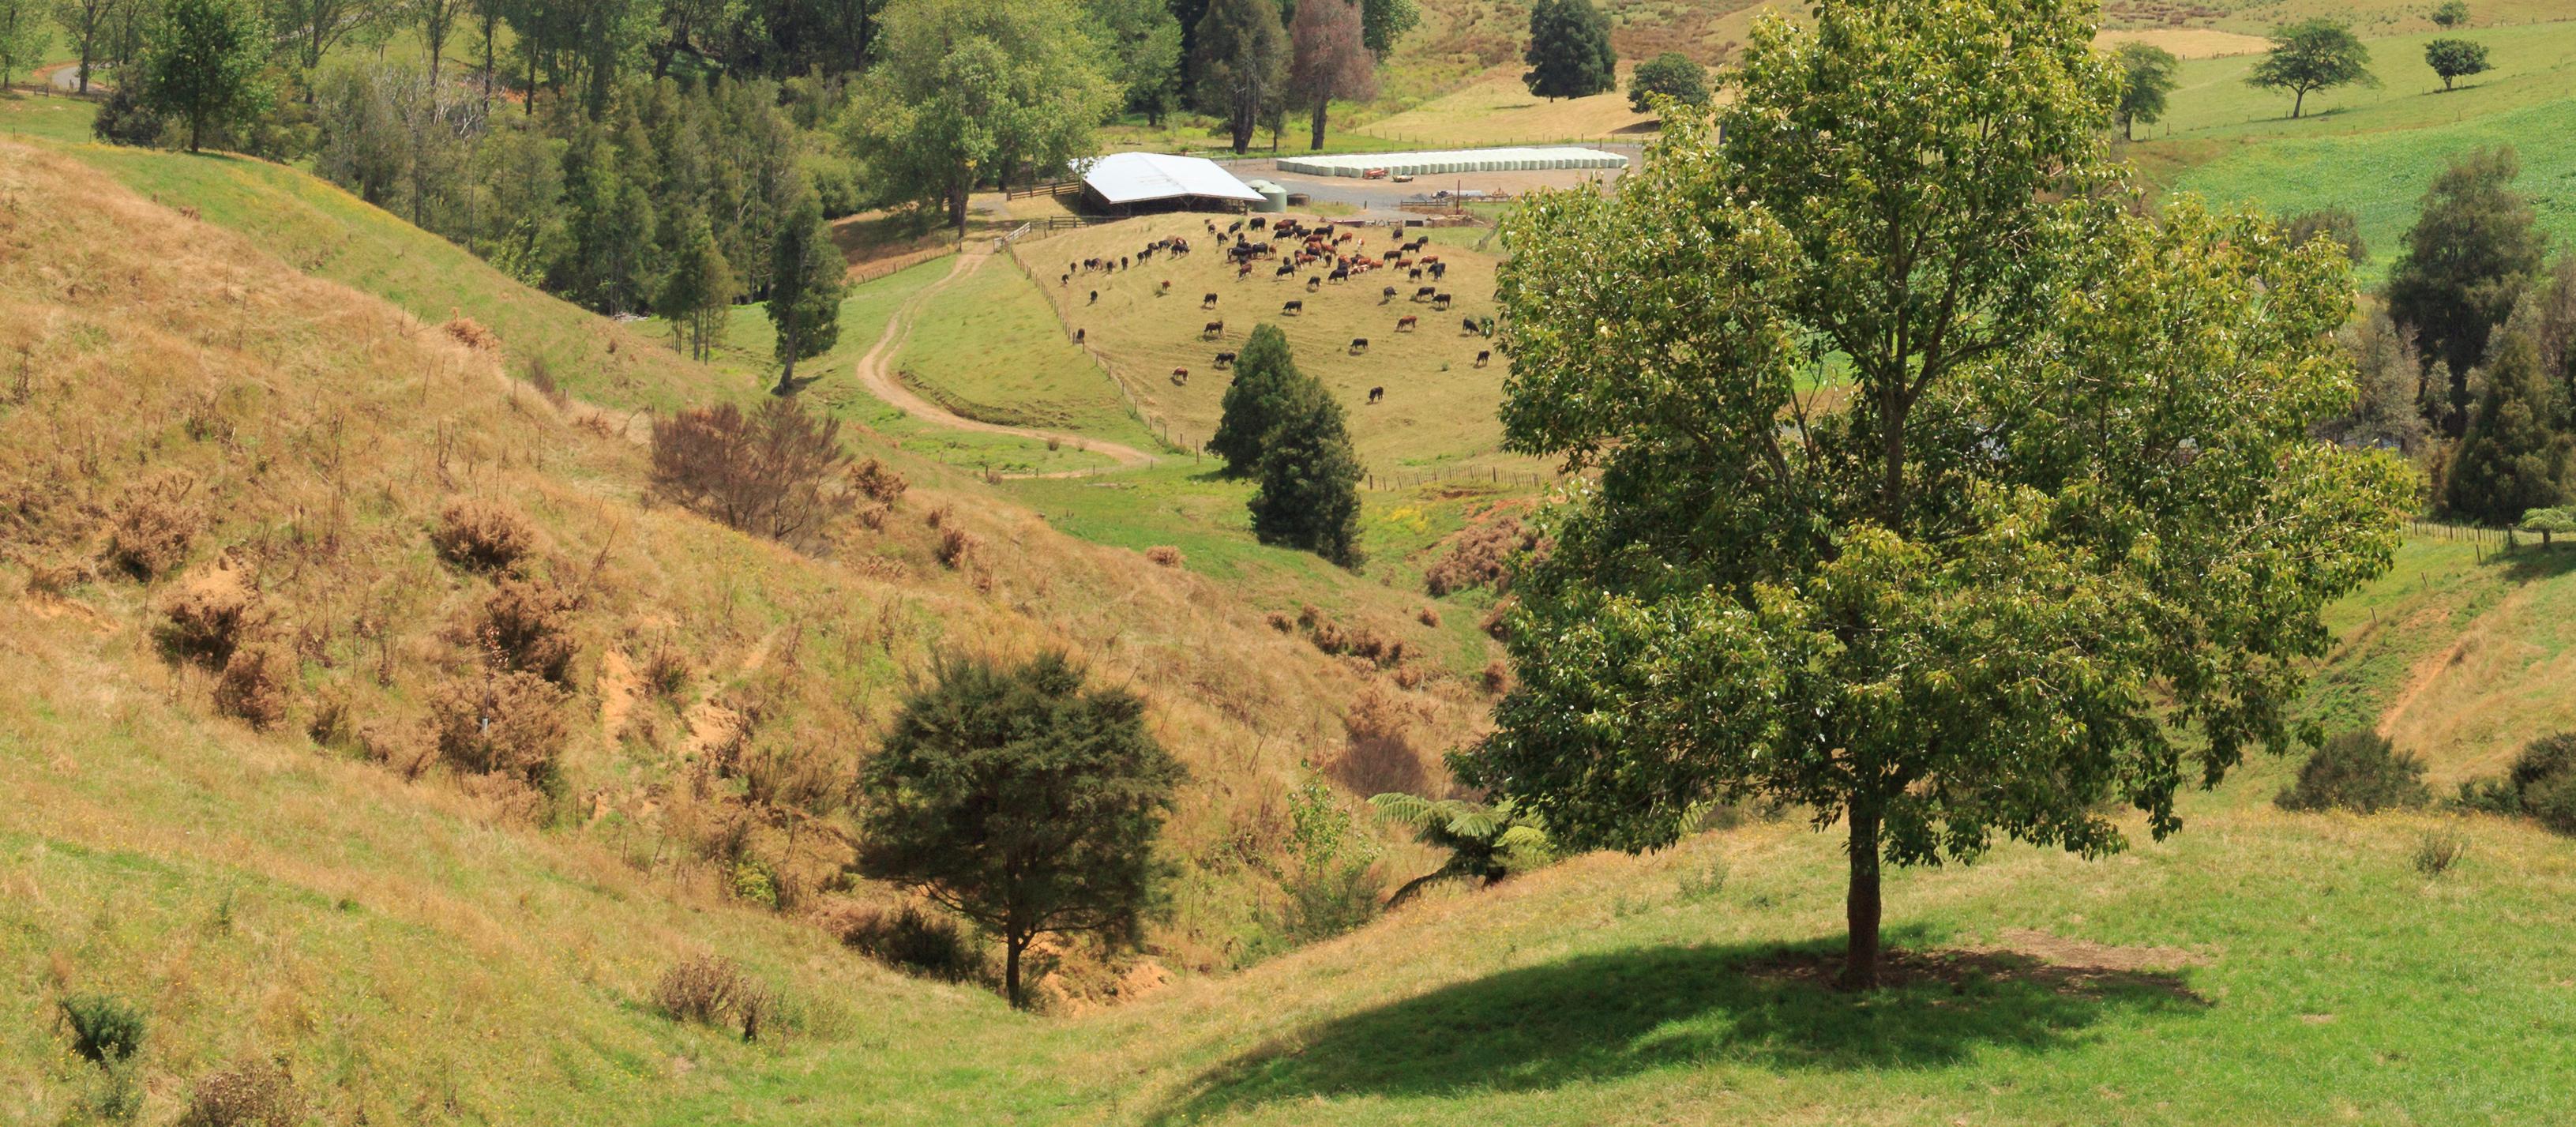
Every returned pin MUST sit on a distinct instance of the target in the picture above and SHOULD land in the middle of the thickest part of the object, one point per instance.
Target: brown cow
(1406, 324)
(1213, 330)
(1181, 376)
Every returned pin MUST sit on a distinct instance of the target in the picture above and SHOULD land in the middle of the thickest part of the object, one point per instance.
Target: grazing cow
(1430, 260)
(1209, 302)
(1424, 292)
(1376, 393)
(1440, 301)
(1095, 297)
(1181, 376)
(1286, 269)
(1483, 356)
(1313, 284)
(1468, 325)
(1341, 275)
(1293, 309)
(1386, 295)
(1122, 262)
(1225, 359)
(1167, 285)
(1359, 345)
(1414, 274)
(1406, 324)
(1439, 269)
(1243, 271)
(1213, 330)
(1078, 335)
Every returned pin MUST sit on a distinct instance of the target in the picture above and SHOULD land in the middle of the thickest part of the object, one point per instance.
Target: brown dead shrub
(713, 990)
(527, 625)
(1164, 554)
(153, 529)
(873, 517)
(252, 686)
(404, 748)
(331, 722)
(499, 722)
(1380, 755)
(666, 670)
(878, 482)
(775, 472)
(482, 536)
(939, 516)
(1280, 622)
(956, 545)
(1498, 676)
(258, 1093)
(1427, 616)
(1498, 622)
(469, 332)
(213, 612)
(1480, 556)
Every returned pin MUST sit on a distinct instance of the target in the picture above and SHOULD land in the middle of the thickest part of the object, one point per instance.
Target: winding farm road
(876, 373)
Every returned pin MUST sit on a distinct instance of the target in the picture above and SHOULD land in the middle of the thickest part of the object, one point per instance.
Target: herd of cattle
(1338, 256)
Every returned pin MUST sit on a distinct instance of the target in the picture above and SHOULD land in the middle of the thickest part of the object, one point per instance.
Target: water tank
(1274, 199)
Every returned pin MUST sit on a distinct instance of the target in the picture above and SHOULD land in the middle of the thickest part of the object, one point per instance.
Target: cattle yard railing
(1033, 191)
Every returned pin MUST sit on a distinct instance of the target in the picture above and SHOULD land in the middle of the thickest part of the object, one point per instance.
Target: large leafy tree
(1142, 43)
(1328, 59)
(806, 278)
(201, 64)
(1309, 477)
(2062, 505)
(2467, 260)
(1263, 372)
(1671, 75)
(2455, 59)
(2517, 454)
(1382, 22)
(1569, 53)
(2146, 76)
(1240, 58)
(24, 38)
(1023, 801)
(85, 25)
(968, 91)
(2316, 54)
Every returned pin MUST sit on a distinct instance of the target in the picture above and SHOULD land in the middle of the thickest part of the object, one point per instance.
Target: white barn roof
(1455, 160)
(1134, 177)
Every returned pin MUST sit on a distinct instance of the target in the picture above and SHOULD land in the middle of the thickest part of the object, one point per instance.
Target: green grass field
(990, 347)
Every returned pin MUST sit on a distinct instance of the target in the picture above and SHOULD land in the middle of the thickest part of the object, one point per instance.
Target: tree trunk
(957, 200)
(1860, 907)
(1012, 945)
(787, 372)
(2296, 101)
(1320, 103)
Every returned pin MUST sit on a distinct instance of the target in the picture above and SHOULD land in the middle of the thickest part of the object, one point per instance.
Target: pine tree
(2466, 262)
(1263, 372)
(698, 290)
(2518, 455)
(806, 277)
(1022, 800)
(1309, 496)
(1569, 52)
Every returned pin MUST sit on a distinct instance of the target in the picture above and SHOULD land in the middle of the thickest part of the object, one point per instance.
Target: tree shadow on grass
(1604, 1016)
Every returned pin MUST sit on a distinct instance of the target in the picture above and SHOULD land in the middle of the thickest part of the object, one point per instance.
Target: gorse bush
(915, 941)
(211, 614)
(774, 472)
(259, 1093)
(2541, 785)
(105, 1030)
(710, 989)
(481, 535)
(252, 686)
(527, 625)
(153, 529)
(499, 722)
(2358, 771)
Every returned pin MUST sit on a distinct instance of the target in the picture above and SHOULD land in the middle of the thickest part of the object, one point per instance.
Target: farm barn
(1138, 183)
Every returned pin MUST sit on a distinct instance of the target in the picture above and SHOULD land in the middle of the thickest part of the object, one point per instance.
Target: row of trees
(2323, 54)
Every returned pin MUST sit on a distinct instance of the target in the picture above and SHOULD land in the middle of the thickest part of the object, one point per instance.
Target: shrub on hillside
(2360, 771)
(878, 482)
(211, 614)
(527, 625)
(499, 722)
(469, 332)
(913, 940)
(774, 472)
(105, 1030)
(252, 686)
(1380, 755)
(152, 531)
(1164, 555)
(956, 545)
(1480, 556)
(2334, 223)
(258, 1093)
(2435, 853)
(481, 535)
(2541, 784)
(123, 119)
(713, 990)
(1498, 676)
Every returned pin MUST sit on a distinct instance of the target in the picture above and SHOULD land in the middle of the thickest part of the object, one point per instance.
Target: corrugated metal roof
(1130, 177)
(1455, 160)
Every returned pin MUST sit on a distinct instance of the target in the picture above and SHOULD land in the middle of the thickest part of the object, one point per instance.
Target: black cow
(1376, 393)
(1424, 292)
(1388, 295)
(1213, 330)
(1359, 345)
(1292, 309)
(1484, 356)
(1440, 301)
(1225, 359)
(1468, 325)
(1208, 302)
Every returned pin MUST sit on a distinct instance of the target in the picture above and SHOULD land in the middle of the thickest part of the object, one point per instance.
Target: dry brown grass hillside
(237, 490)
